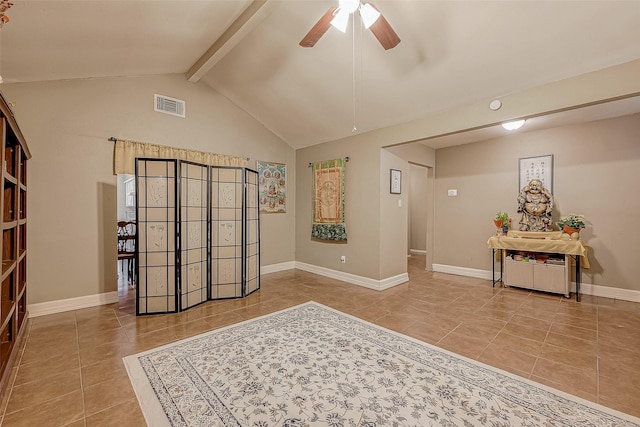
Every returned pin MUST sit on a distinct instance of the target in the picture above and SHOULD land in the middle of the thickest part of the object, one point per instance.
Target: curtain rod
(346, 159)
(114, 139)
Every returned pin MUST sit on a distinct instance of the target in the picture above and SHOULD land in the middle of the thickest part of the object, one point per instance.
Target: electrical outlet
(343, 259)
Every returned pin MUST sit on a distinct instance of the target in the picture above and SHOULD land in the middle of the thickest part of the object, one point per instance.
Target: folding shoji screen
(198, 234)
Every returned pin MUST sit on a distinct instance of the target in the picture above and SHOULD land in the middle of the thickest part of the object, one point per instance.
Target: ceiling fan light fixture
(517, 124)
(369, 15)
(338, 17)
(341, 20)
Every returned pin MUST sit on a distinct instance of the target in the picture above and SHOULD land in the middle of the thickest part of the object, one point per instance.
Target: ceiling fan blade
(319, 29)
(384, 32)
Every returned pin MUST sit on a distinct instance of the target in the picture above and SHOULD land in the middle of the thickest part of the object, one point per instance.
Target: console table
(575, 249)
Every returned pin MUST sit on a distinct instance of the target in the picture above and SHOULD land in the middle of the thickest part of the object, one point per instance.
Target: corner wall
(362, 211)
(394, 216)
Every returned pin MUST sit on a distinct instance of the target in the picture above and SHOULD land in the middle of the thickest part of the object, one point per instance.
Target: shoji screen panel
(226, 232)
(156, 244)
(194, 182)
(252, 233)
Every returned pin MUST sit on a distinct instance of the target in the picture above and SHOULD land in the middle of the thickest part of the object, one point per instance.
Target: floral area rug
(314, 366)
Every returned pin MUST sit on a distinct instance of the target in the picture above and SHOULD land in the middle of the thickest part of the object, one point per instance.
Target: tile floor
(69, 370)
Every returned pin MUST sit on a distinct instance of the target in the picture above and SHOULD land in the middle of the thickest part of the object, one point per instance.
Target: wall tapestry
(272, 187)
(328, 200)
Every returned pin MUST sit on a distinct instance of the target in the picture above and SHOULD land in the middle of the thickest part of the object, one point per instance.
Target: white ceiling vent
(164, 104)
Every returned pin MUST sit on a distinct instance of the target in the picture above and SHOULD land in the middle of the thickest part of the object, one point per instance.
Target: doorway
(419, 238)
(126, 211)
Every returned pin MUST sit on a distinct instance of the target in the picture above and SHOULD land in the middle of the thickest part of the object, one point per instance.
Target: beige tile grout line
(537, 357)
(17, 364)
(597, 352)
(84, 409)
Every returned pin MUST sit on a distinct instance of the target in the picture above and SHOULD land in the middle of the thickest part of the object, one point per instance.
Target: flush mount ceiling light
(495, 105)
(338, 17)
(517, 124)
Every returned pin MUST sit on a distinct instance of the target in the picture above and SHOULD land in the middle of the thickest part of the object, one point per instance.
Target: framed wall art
(540, 167)
(396, 181)
(272, 187)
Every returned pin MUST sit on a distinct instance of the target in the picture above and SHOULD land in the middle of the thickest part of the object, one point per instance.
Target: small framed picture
(396, 181)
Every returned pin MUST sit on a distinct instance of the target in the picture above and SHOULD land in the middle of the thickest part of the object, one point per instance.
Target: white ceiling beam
(243, 25)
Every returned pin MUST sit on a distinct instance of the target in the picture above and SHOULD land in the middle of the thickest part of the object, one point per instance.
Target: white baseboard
(378, 285)
(585, 288)
(417, 251)
(59, 306)
(266, 269)
(607, 292)
(462, 271)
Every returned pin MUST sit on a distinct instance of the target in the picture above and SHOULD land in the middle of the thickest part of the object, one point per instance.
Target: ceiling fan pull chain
(360, 72)
(353, 68)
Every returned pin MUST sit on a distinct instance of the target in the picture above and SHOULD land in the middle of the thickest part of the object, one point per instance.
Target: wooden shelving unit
(13, 205)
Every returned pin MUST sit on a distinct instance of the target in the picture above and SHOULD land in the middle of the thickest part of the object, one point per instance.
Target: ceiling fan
(338, 16)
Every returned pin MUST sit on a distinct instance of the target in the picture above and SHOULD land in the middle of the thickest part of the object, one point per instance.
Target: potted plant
(571, 223)
(502, 222)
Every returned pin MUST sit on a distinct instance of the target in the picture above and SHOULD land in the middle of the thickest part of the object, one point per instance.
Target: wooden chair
(127, 247)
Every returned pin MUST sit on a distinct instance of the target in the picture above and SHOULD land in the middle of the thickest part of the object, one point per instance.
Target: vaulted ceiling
(452, 53)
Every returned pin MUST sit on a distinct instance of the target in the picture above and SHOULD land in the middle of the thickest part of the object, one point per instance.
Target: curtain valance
(125, 153)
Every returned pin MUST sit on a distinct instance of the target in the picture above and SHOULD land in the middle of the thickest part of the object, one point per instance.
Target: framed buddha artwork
(272, 187)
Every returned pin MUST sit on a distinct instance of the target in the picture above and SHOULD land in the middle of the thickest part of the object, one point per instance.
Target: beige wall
(596, 87)
(596, 173)
(67, 124)
(418, 208)
(419, 154)
(72, 189)
(362, 210)
(420, 200)
(394, 216)
(376, 226)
